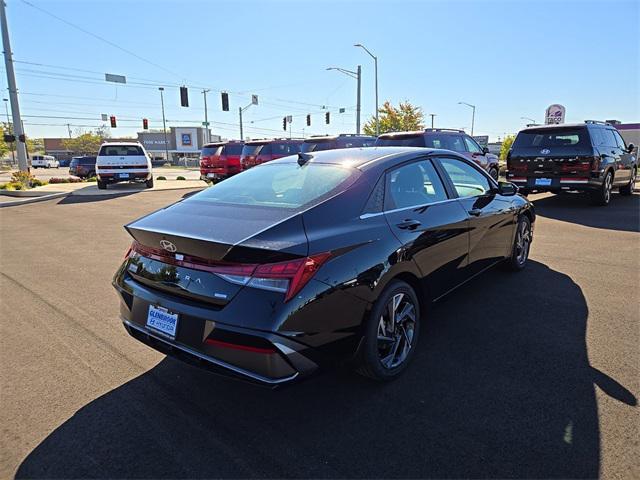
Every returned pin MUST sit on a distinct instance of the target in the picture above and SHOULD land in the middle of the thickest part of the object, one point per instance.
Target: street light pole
(375, 62)
(432, 115)
(254, 101)
(527, 118)
(206, 115)
(358, 76)
(6, 107)
(18, 130)
(164, 124)
(473, 114)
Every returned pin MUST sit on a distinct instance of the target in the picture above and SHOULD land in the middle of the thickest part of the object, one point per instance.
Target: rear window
(283, 185)
(74, 162)
(401, 141)
(120, 150)
(211, 150)
(87, 161)
(233, 149)
(318, 146)
(252, 149)
(284, 148)
(546, 138)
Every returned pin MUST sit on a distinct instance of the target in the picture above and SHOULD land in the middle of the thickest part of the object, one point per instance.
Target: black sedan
(316, 259)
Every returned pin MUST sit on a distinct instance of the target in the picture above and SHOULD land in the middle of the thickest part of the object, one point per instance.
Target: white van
(123, 162)
(44, 161)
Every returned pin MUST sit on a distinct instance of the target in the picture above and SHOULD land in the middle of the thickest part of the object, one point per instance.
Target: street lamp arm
(366, 50)
(345, 71)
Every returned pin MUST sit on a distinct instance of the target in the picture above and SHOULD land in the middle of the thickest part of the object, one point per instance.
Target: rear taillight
(520, 168)
(575, 167)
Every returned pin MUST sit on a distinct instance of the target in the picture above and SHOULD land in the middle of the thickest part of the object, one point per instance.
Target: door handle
(475, 212)
(408, 224)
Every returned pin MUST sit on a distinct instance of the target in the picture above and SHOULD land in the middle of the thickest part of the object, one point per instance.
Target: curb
(33, 199)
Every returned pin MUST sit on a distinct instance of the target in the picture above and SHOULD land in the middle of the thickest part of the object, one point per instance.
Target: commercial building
(181, 142)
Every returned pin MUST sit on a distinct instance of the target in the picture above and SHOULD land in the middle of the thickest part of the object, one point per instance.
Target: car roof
(128, 144)
(417, 133)
(324, 138)
(264, 141)
(362, 157)
(562, 125)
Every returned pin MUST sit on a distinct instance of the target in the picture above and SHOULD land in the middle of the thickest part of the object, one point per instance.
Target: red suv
(220, 160)
(447, 138)
(256, 152)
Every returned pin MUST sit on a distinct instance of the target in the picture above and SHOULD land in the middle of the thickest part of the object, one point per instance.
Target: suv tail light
(575, 167)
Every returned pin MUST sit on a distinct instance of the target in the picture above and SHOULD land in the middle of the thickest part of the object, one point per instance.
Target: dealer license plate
(163, 321)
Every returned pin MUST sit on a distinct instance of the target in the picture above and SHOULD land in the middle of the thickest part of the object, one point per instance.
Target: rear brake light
(575, 167)
(517, 168)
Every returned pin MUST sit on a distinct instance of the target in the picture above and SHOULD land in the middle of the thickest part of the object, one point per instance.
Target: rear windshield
(252, 149)
(401, 141)
(546, 138)
(74, 162)
(87, 160)
(284, 149)
(233, 149)
(282, 185)
(211, 150)
(120, 150)
(319, 145)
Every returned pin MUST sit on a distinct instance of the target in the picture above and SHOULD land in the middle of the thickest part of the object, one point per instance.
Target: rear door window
(472, 146)
(232, 149)
(413, 185)
(620, 140)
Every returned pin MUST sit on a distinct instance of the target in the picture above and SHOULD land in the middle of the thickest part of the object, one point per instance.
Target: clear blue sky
(510, 58)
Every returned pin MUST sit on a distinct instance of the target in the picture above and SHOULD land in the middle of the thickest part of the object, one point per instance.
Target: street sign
(104, 117)
(483, 140)
(554, 114)
(205, 124)
(254, 99)
(289, 118)
(110, 77)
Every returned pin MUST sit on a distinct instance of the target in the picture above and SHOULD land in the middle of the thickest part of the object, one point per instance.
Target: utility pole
(164, 124)
(432, 115)
(206, 115)
(69, 129)
(18, 131)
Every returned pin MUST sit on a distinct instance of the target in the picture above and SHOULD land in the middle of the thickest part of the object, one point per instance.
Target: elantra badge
(168, 246)
(545, 151)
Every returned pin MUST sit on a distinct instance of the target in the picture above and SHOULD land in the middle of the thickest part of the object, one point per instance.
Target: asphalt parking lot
(63, 172)
(524, 375)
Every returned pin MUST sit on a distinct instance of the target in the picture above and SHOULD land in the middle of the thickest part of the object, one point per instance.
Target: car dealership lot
(63, 172)
(527, 375)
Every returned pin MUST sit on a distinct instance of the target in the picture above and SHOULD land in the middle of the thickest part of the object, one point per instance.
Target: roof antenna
(303, 158)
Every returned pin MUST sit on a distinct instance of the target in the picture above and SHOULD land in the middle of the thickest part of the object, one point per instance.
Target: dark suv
(220, 160)
(83, 167)
(447, 138)
(256, 152)
(589, 156)
(334, 142)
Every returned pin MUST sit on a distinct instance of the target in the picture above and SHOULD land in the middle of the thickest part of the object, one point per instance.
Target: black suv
(83, 167)
(333, 142)
(447, 138)
(589, 156)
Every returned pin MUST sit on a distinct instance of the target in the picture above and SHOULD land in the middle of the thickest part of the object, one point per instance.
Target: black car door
(614, 154)
(492, 217)
(431, 226)
(626, 158)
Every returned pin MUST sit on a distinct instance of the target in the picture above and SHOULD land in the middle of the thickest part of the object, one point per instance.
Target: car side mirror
(631, 147)
(485, 150)
(507, 189)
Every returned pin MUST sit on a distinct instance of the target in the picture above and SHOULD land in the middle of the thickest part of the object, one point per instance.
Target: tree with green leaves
(4, 146)
(506, 146)
(87, 143)
(403, 118)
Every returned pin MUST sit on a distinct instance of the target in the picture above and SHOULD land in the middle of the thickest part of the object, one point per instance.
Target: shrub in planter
(37, 183)
(58, 180)
(91, 179)
(161, 178)
(180, 178)
(22, 178)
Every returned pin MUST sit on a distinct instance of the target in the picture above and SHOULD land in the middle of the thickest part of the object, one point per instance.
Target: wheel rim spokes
(523, 240)
(395, 331)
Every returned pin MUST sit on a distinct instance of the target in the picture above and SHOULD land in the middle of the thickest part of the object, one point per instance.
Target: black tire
(149, 183)
(521, 245)
(628, 188)
(102, 185)
(385, 360)
(602, 196)
(493, 171)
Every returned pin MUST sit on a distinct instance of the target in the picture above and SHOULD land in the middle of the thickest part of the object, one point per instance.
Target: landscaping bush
(37, 183)
(58, 180)
(3, 186)
(180, 178)
(91, 179)
(161, 178)
(24, 179)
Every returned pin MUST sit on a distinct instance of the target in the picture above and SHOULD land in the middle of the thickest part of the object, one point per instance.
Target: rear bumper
(115, 177)
(556, 184)
(256, 356)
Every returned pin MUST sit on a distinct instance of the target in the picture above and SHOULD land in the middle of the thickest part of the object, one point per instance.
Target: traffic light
(308, 120)
(284, 123)
(113, 121)
(145, 124)
(327, 118)
(184, 97)
(9, 138)
(225, 102)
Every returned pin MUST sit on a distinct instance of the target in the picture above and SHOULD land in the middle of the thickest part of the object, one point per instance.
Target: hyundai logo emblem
(168, 246)
(545, 151)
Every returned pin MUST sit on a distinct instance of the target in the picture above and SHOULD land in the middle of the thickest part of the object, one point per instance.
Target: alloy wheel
(607, 188)
(396, 328)
(523, 242)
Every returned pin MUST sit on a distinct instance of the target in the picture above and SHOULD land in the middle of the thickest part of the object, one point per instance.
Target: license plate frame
(161, 320)
(123, 175)
(543, 182)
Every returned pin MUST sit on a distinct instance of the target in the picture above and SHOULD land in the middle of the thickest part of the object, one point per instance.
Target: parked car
(64, 162)
(83, 167)
(44, 161)
(123, 162)
(590, 157)
(317, 258)
(256, 152)
(450, 139)
(333, 142)
(220, 160)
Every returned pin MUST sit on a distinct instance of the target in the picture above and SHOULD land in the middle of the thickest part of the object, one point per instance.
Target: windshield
(401, 141)
(319, 145)
(251, 149)
(211, 150)
(120, 150)
(283, 185)
(546, 138)
(233, 149)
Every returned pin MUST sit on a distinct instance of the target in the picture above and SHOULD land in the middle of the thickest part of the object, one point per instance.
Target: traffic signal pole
(18, 130)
